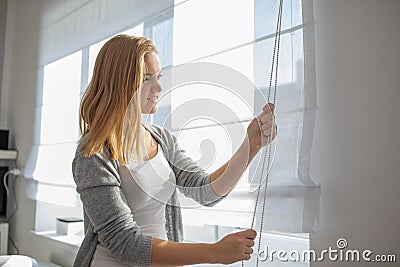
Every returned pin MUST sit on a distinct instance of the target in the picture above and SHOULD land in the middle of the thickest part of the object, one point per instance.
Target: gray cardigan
(108, 219)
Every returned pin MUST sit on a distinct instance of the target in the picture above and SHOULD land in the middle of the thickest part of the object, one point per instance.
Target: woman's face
(151, 87)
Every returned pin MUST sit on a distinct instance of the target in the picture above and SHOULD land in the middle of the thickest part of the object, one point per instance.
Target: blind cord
(274, 70)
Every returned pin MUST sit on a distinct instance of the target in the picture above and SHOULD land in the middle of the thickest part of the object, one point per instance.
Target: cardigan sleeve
(97, 182)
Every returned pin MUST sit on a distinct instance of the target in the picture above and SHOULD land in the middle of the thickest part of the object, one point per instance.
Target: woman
(123, 225)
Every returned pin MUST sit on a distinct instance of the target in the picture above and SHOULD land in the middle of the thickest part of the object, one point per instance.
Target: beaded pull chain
(267, 156)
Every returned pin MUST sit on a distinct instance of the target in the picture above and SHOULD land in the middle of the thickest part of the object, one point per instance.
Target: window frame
(148, 31)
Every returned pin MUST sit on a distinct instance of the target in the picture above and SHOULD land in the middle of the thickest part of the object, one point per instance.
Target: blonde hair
(110, 110)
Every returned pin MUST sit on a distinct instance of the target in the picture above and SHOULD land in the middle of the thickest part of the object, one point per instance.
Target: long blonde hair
(118, 73)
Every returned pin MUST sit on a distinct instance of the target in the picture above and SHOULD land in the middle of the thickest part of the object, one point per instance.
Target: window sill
(70, 241)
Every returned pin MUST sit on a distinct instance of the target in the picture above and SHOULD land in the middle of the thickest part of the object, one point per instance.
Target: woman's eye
(154, 77)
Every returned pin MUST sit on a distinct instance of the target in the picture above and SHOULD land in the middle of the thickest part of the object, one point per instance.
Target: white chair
(17, 261)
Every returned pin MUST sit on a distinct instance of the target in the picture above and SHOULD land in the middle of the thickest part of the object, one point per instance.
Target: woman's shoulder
(155, 128)
(160, 132)
(97, 168)
(102, 157)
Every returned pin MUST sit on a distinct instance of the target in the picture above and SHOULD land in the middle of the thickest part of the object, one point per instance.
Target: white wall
(356, 147)
(3, 16)
(18, 96)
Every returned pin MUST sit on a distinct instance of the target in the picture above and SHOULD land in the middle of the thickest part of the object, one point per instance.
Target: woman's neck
(148, 147)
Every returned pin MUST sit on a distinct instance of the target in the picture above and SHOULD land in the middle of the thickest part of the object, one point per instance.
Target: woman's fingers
(269, 135)
(248, 250)
(269, 107)
(269, 129)
(268, 125)
(249, 242)
(249, 233)
(246, 256)
(265, 117)
(236, 246)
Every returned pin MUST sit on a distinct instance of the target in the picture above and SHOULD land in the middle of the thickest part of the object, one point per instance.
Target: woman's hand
(262, 130)
(234, 247)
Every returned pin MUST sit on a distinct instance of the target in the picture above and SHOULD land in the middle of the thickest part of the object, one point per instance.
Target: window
(63, 84)
(237, 35)
(242, 39)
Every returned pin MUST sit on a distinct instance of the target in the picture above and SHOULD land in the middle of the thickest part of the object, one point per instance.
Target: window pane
(214, 103)
(59, 122)
(290, 72)
(59, 112)
(203, 27)
(266, 16)
(61, 79)
(55, 171)
(211, 146)
(239, 59)
(159, 30)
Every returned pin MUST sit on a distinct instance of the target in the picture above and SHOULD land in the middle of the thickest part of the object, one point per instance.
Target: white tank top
(147, 187)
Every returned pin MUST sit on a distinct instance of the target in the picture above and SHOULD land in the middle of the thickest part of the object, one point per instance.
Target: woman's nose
(157, 87)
